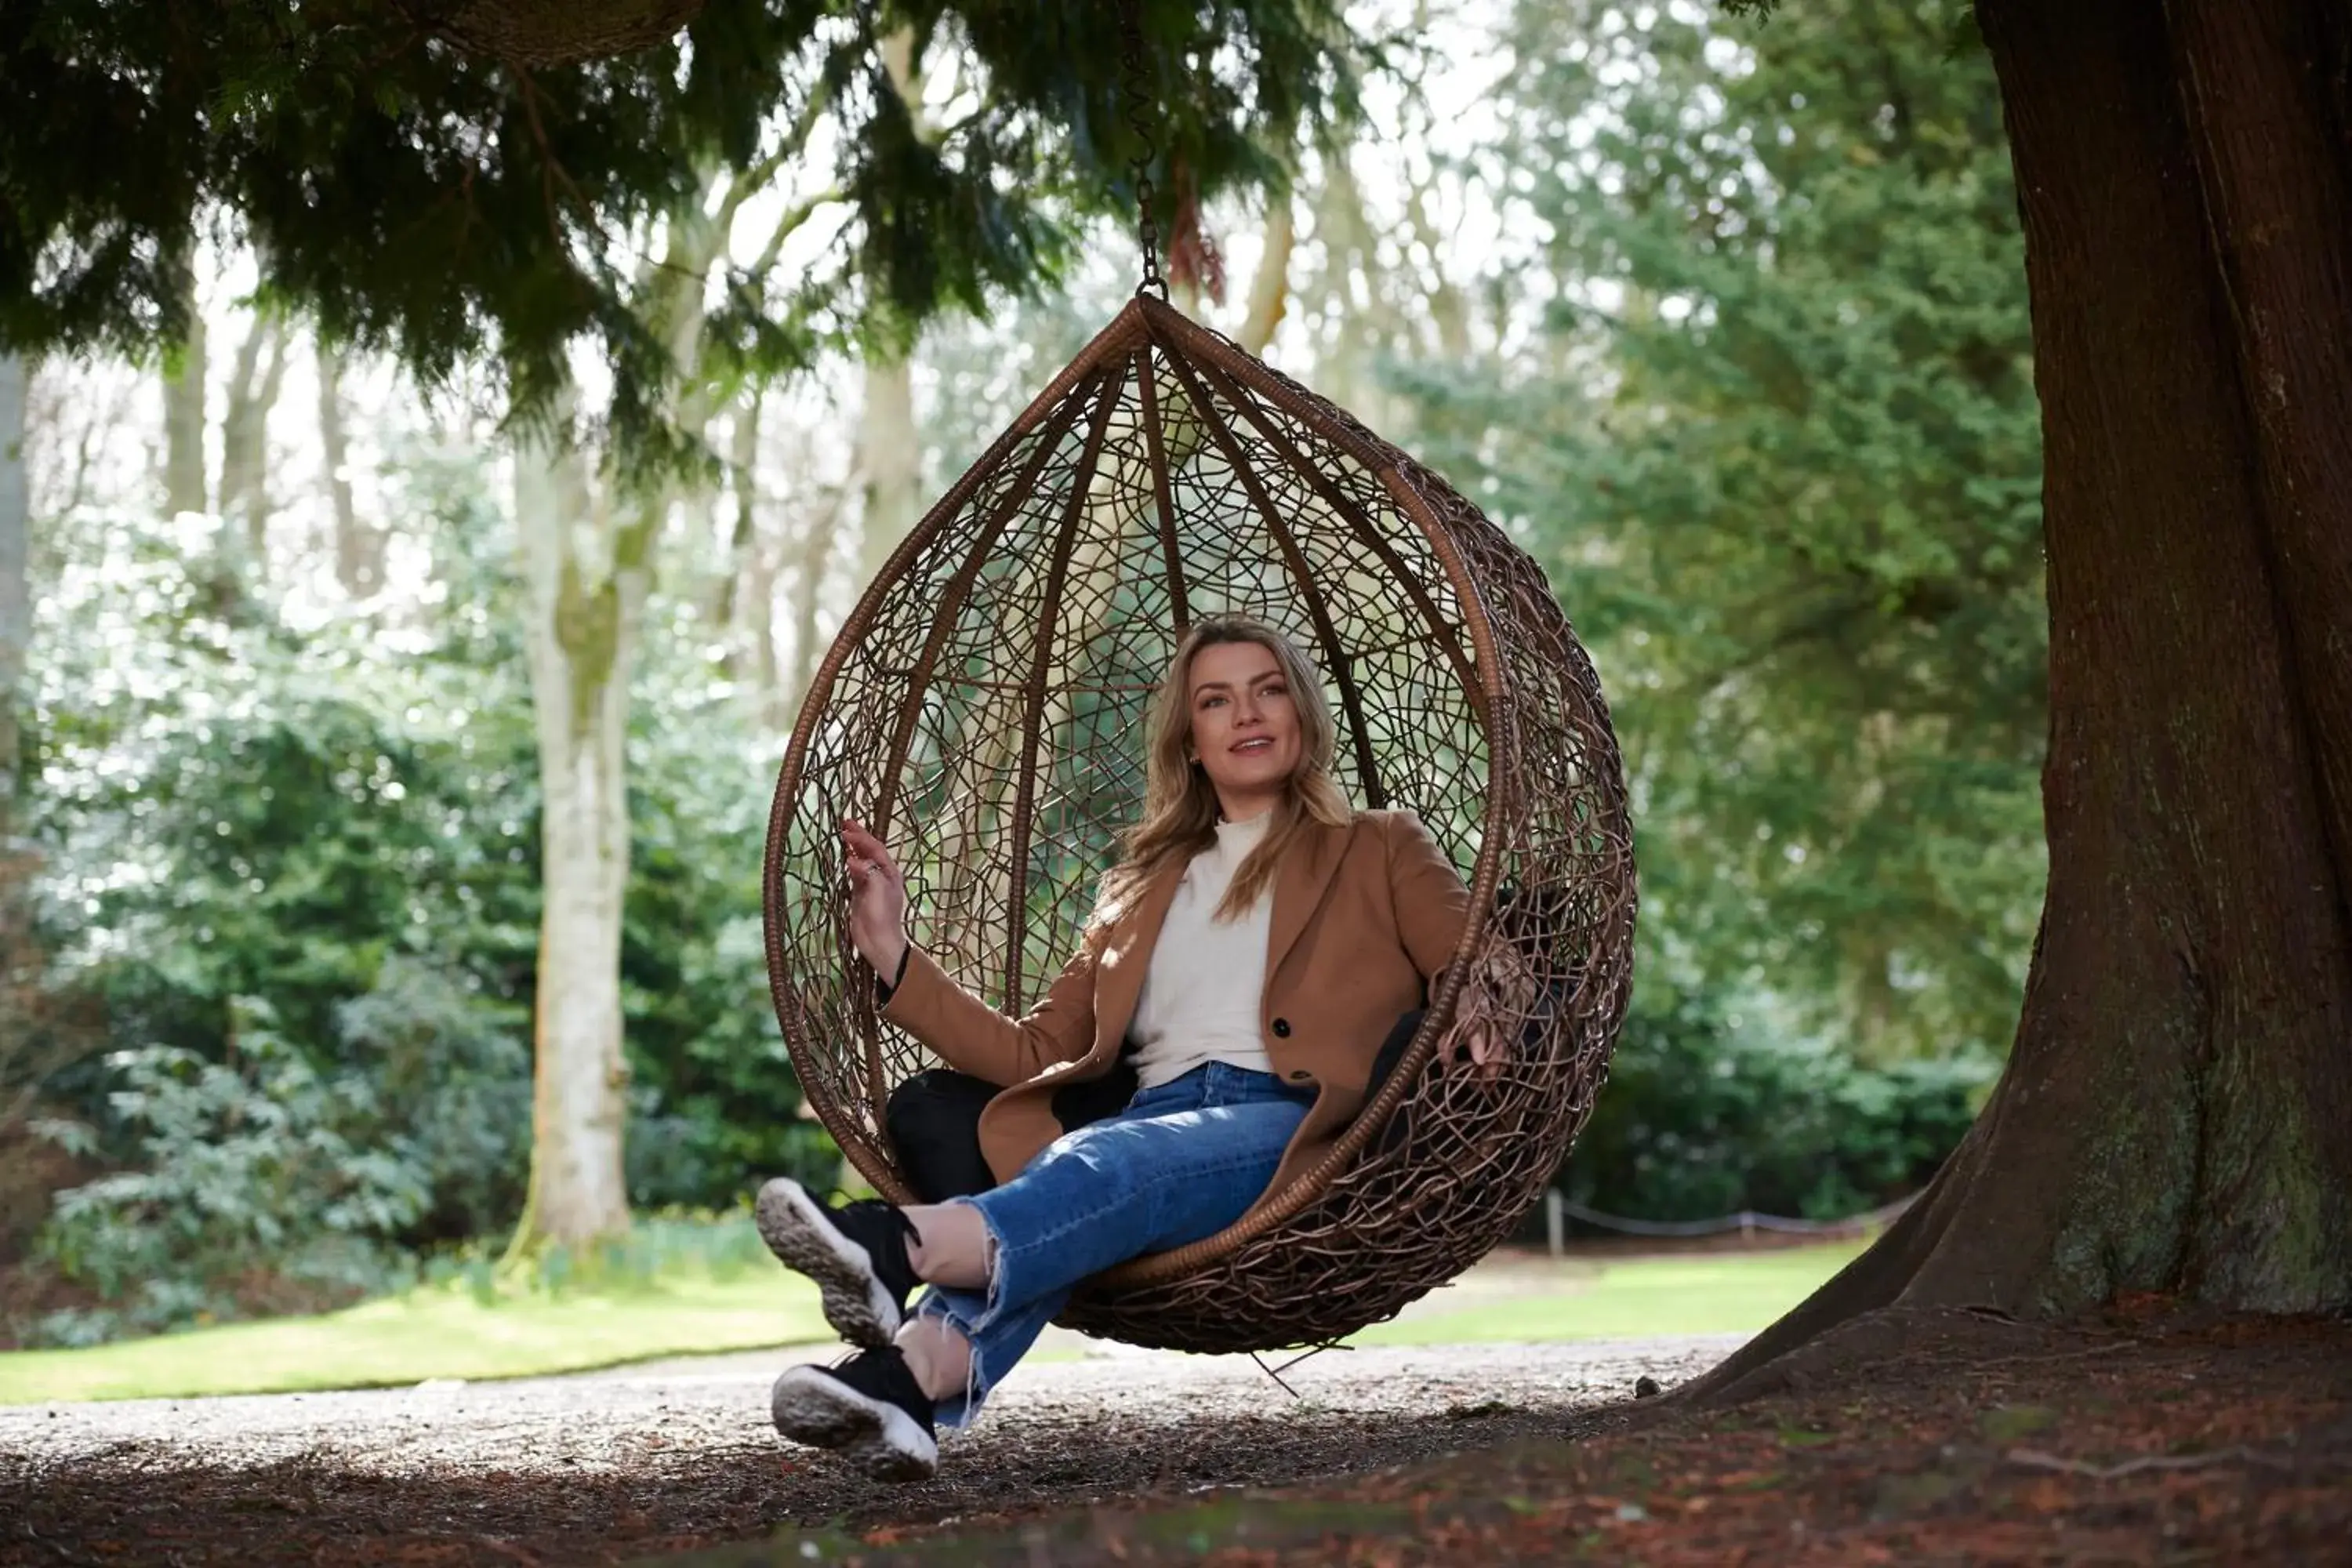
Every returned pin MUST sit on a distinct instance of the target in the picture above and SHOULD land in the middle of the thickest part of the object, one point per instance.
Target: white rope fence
(1558, 1210)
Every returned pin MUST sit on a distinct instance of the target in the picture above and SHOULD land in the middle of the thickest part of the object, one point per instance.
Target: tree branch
(795, 143)
(787, 226)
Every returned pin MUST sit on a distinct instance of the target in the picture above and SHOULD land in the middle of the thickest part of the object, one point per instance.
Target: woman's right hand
(877, 901)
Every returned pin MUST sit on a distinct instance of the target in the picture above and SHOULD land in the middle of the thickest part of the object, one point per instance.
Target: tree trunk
(1269, 295)
(587, 563)
(255, 379)
(2177, 1114)
(890, 458)
(722, 590)
(16, 588)
(743, 598)
(586, 582)
(811, 553)
(183, 423)
(359, 554)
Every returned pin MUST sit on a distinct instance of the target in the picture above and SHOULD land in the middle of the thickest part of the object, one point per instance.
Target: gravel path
(607, 1466)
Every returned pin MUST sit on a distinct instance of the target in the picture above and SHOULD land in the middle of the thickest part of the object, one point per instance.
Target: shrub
(1703, 1117)
(244, 1173)
(266, 1181)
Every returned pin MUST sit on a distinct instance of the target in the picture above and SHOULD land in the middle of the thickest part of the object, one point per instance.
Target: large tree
(2177, 1114)
(418, 180)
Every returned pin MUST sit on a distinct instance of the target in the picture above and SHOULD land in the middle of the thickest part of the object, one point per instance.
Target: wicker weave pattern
(983, 710)
(534, 32)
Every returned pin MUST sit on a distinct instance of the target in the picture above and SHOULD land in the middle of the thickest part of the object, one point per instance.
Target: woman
(1257, 941)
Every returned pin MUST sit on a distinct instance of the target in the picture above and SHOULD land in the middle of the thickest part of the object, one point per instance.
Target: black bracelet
(885, 989)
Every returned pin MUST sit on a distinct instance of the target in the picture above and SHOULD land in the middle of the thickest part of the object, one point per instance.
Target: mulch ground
(643, 1460)
(2121, 1441)
(1980, 1442)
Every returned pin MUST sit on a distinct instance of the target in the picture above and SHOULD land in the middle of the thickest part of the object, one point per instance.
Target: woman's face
(1245, 725)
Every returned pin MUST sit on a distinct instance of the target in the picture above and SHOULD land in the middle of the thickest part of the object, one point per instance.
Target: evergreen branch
(795, 143)
(789, 225)
(550, 168)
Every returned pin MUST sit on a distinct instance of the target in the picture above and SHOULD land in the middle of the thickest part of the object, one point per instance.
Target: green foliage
(662, 1251)
(237, 808)
(335, 828)
(1778, 446)
(253, 1170)
(716, 1103)
(449, 207)
(445, 1081)
(1709, 1112)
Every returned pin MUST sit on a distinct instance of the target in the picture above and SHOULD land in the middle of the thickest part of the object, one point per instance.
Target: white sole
(874, 1435)
(856, 1303)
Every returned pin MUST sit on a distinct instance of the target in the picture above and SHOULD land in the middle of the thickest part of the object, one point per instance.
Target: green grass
(438, 1331)
(1714, 1293)
(451, 1331)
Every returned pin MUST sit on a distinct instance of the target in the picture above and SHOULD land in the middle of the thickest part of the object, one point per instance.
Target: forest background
(1726, 322)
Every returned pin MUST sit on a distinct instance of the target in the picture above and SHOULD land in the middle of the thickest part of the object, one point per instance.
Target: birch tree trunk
(586, 579)
(727, 603)
(744, 600)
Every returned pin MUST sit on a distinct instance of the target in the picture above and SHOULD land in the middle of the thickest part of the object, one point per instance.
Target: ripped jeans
(1183, 1161)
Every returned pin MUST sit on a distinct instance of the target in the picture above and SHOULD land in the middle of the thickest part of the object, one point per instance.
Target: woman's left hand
(1478, 1039)
(1490, 1012)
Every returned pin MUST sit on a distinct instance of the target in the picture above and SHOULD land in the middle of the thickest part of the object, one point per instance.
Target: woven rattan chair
(983, 711)
(534, 33)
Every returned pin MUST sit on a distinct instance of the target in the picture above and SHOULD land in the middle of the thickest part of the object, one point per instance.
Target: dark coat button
(1301, 1076)
(1282, 1028)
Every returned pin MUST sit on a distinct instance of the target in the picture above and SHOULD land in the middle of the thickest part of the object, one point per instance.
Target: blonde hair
(1179, 802)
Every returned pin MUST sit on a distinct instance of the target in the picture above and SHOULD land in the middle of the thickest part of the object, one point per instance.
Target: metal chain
(1140, 119)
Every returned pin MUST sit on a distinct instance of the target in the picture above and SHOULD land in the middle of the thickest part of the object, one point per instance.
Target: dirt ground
(1925, 1439)
(2124, 1441)
(608, 1467)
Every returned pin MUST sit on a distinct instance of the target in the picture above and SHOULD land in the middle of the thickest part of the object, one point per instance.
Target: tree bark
(811, 553)
(586, 580)
(256, 378)
(890, 459)
(587, 554)
(1269, 295)
(2177, 1113)
(359, 553)
(742, 599)
(15, 587)
(184, 488)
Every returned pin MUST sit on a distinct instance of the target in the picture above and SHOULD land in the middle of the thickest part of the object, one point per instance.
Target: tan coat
(1363, 916)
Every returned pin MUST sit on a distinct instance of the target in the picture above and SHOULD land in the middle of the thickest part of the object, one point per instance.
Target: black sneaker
(868, 1409)
(857, 1254)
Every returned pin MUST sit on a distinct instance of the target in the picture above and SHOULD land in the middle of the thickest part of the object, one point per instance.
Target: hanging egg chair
(983, 711)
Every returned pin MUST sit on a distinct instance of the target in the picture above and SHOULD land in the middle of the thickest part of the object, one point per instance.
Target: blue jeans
(1183, 1161)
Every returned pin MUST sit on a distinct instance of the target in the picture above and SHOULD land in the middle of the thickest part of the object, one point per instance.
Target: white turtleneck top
(1205, 986)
